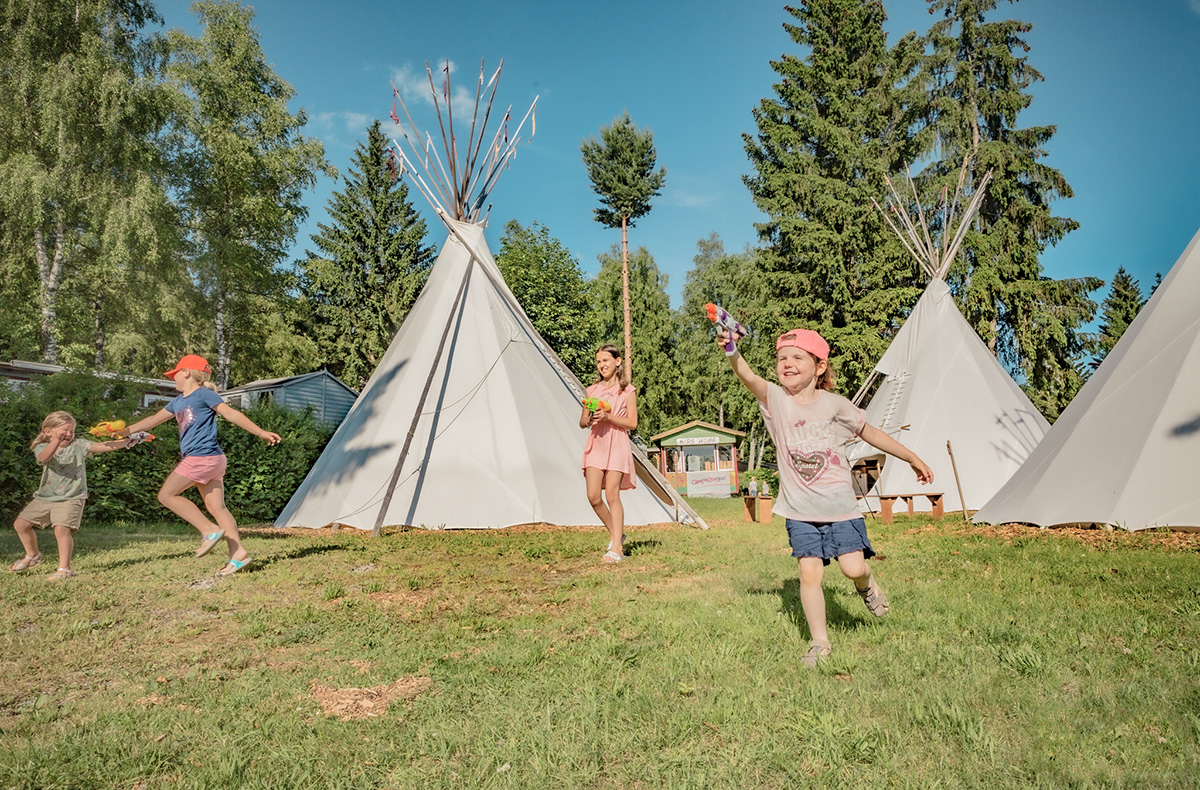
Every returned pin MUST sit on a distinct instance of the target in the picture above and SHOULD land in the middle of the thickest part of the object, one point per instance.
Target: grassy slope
(512, 658)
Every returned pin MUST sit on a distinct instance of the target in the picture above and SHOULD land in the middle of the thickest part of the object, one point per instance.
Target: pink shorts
(202, 468)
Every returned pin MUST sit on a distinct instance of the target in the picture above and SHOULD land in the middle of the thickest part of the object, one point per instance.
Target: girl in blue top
(203, 465)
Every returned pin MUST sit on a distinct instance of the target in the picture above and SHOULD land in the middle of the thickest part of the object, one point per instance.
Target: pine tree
(980, 81)
(840, 120)
(1117, 312)
(550, 287)
(621, 168)
(372, 263)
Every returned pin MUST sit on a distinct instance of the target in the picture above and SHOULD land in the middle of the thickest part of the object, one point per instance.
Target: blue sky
(1121, 82)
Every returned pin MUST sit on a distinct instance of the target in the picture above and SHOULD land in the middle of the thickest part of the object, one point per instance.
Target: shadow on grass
(836, 615)
(637, 546)
(112, 566)
(257, 565)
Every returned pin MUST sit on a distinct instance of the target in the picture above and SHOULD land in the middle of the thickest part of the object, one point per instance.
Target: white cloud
(1195, 4)
(354, 123)
(413, 85)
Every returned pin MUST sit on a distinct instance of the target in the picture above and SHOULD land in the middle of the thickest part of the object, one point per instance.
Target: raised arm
(754, 382)
(881, 441)
(245, 423)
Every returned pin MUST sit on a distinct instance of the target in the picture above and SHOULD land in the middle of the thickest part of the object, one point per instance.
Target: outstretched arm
(245, 423)
(146, 423)
(754, 382)
(881, 441)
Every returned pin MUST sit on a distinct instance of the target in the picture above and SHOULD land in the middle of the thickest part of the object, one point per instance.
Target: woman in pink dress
(608, 455)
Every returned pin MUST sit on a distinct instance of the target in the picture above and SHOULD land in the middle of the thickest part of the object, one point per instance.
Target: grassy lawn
(1011, 658)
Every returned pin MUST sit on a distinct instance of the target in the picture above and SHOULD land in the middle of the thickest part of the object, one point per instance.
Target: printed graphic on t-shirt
(185, 418)
(812, 454)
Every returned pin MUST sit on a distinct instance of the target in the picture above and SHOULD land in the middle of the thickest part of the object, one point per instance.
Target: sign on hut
(699, 459)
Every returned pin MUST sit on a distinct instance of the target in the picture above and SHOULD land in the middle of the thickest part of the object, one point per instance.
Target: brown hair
(622, 371)
(828, 378)
(53, 420)
(201, 377)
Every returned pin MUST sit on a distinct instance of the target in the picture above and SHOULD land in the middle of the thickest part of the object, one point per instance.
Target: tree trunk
(625, 296)
(222, 367)
(98, 310)
(49, 275)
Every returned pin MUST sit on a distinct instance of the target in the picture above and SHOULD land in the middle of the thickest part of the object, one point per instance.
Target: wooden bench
(887, 501)
(757, 508)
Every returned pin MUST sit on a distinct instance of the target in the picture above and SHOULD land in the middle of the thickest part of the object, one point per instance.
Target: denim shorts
(828, 539)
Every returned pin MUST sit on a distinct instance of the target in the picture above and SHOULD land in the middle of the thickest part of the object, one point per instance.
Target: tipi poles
(412, 430)
(962, 502)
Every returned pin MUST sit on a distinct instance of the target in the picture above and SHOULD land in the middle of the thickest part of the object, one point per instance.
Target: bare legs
(62, 534)
(213, 494)
(612, 514)
(812, 597)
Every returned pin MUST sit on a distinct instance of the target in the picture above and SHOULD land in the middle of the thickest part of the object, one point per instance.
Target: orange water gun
(595, 404)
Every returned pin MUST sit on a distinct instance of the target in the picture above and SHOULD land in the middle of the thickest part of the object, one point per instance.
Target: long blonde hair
(201, 377)
(622, 371)
(54, 419)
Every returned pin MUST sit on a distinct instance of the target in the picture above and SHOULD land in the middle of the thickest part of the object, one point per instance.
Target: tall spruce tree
(549, 285)
(980, 80)
(373, 261)
(653, 334)
(842, 117)
(244, 164)
(1120, 307)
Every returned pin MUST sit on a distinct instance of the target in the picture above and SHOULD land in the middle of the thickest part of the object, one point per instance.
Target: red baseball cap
(190, 362)
(806, 340)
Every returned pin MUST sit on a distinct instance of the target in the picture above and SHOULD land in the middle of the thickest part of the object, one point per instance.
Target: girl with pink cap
(810, 425)
(203, 465)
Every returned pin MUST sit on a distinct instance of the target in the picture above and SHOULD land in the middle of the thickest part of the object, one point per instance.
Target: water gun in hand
(113, 429)
(595, 404)
(110, 429)
(720, 316)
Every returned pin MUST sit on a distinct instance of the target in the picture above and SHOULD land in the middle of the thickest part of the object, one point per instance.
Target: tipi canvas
(943, 394)
(1124, 451)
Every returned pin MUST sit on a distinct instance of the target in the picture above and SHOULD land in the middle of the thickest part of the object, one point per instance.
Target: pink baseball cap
(806, 340)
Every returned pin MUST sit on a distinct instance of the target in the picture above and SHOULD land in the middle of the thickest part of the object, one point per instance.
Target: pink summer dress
(608, 445)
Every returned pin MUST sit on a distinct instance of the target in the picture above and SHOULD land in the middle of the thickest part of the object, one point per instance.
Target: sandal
(61, 573)
(209, 541)
(816, 652)
(233, 566)
(609, 546)
(611, 558)
(25, 563)
(873, 597)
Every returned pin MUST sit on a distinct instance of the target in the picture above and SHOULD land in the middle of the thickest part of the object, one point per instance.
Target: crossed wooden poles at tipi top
(450, 190)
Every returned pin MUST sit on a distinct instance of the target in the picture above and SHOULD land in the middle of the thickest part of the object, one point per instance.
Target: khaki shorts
(45, 514)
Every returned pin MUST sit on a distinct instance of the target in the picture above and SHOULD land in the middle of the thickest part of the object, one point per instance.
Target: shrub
(124, 485)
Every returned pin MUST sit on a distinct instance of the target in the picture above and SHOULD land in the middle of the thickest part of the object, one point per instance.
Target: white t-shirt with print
(814, 476)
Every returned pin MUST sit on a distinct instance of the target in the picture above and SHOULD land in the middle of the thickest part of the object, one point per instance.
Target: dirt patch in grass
(1095, 537)
(349, 704)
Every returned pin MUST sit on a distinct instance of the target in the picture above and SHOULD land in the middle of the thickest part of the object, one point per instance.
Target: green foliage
(124, 485)
(243, 165)
(842, 117)
(548, 283)
(1120, 307)
(82, 197)
(980, 80)
(710, 390)
(621, 168)
(372, 263)
(656, 374)
(770, 476)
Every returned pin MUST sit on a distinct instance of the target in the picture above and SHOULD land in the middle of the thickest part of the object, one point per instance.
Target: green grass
(513, 658)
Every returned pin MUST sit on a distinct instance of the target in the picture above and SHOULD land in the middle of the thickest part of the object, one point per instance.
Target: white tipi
(1124, 451)
(470, 420)
(942, 393)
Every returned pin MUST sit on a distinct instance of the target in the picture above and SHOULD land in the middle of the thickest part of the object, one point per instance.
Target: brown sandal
(62, 573)
(873, 597)
(25, 563)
